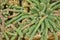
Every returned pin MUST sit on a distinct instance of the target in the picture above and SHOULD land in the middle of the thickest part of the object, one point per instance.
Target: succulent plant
(39, 20)
(44, 8)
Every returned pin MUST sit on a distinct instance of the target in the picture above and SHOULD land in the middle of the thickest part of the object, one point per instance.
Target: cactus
(29, 20)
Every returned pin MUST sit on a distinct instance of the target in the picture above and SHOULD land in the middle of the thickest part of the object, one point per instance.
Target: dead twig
(2, 27)
(14, 14)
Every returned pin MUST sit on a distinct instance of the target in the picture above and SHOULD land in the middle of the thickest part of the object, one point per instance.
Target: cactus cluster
(29, 20)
